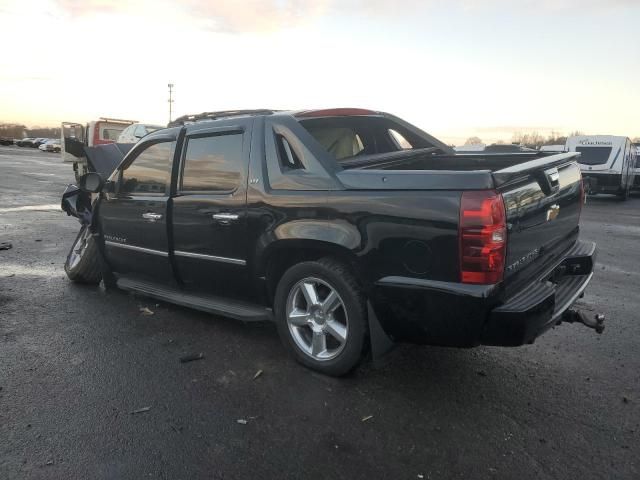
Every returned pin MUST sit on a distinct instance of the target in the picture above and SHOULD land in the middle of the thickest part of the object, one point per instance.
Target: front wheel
(321, 316)
(83, 262)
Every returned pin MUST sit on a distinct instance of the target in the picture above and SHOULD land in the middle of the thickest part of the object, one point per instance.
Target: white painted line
(32, 208)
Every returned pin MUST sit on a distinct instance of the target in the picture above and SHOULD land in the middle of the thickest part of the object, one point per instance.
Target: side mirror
(91, 182)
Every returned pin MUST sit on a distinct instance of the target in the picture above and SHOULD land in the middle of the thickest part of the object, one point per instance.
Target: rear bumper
(441, 313)
(602, 182)
(530, 313)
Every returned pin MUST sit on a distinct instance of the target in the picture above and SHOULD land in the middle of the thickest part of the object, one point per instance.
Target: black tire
(83, 261)
(335, 275)
(624, 194)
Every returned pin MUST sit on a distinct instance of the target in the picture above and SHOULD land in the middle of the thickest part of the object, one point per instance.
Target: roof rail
(116, 120)
(204, 116)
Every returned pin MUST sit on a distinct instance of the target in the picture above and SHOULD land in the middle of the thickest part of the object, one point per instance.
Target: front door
(134, 217)
(209, 210)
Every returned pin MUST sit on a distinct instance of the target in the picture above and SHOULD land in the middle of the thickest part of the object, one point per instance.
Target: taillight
(483, 237)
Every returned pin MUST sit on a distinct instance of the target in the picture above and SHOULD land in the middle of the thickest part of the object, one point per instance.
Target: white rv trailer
(607, 163)
(636, 183)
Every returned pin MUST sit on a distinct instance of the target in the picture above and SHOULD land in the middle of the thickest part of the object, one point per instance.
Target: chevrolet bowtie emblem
(553, 212)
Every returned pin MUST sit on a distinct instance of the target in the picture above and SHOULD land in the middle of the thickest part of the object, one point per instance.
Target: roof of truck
(328, 112)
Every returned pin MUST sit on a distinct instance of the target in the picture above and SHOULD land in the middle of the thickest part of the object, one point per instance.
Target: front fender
(77, 203)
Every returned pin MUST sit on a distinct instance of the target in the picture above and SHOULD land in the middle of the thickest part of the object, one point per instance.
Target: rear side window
(594, 155)
(150, 171)
(289, 159)
(213, 164)
(400, 142)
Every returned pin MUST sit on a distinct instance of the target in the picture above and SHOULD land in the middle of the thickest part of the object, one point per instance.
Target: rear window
(341, 142)
(110, 133)
(594, 155)
(347, 137)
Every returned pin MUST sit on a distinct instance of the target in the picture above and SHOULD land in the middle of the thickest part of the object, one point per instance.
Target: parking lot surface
(90, 387)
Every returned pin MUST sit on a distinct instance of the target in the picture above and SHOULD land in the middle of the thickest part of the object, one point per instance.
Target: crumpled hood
(104, 159)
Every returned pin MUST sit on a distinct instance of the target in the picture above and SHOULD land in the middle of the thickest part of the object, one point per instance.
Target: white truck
(607, 163)
(96, 132)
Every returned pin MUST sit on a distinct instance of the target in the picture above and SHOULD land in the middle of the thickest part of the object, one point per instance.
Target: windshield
(594, 155)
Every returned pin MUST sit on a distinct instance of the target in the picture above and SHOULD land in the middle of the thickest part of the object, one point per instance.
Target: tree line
(16, 130)
(535, 139)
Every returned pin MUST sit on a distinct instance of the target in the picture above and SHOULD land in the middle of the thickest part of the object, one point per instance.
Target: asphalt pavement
(92, 388)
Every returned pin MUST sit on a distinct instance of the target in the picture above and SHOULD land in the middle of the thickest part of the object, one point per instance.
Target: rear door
(72, 139)
(209, 209)
(134, 217)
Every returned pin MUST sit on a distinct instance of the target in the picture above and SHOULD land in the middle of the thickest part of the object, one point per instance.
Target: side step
(207, 303)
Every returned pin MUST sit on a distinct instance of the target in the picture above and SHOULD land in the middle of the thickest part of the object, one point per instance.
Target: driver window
(150, 171)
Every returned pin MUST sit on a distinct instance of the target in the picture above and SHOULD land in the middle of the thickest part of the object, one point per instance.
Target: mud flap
(380, 341)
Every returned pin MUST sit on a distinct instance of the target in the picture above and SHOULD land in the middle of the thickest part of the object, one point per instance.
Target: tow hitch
(576, 316)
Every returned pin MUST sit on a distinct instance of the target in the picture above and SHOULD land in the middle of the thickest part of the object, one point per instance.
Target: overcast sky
(455, 68)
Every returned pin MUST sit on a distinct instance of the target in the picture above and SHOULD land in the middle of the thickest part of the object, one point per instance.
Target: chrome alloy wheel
(79, 247)
(317, 319)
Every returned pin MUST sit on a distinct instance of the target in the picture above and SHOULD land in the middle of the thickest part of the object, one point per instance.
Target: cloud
(269, 15)
(515, 128)
(216, 15)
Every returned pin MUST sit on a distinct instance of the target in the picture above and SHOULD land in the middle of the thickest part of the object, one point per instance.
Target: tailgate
(543, 203)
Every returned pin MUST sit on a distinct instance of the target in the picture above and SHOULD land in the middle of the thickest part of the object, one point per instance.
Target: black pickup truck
(351, 229)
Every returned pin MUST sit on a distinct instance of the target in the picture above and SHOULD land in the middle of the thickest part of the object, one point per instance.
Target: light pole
(170, 85)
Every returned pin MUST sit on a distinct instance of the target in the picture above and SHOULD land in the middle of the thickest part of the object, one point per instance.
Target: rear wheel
(321, 316)
(83, 262)
(624, 193)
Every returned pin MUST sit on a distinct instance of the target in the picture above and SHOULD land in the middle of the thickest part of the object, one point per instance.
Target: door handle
(225, 218)
(151, 217)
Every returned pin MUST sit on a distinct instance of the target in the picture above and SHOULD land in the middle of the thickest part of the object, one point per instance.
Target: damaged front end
(102, 160)
(77, 203)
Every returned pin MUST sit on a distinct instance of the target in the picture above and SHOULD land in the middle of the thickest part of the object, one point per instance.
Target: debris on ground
(50, 462)
(241, 421)
(5, 245)
(146, 311)
(367, 418)
(141, 410)
(191, 357)
(38, 239)
(258, 373)
(482, 373)
(625, 399)
(10, 275)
